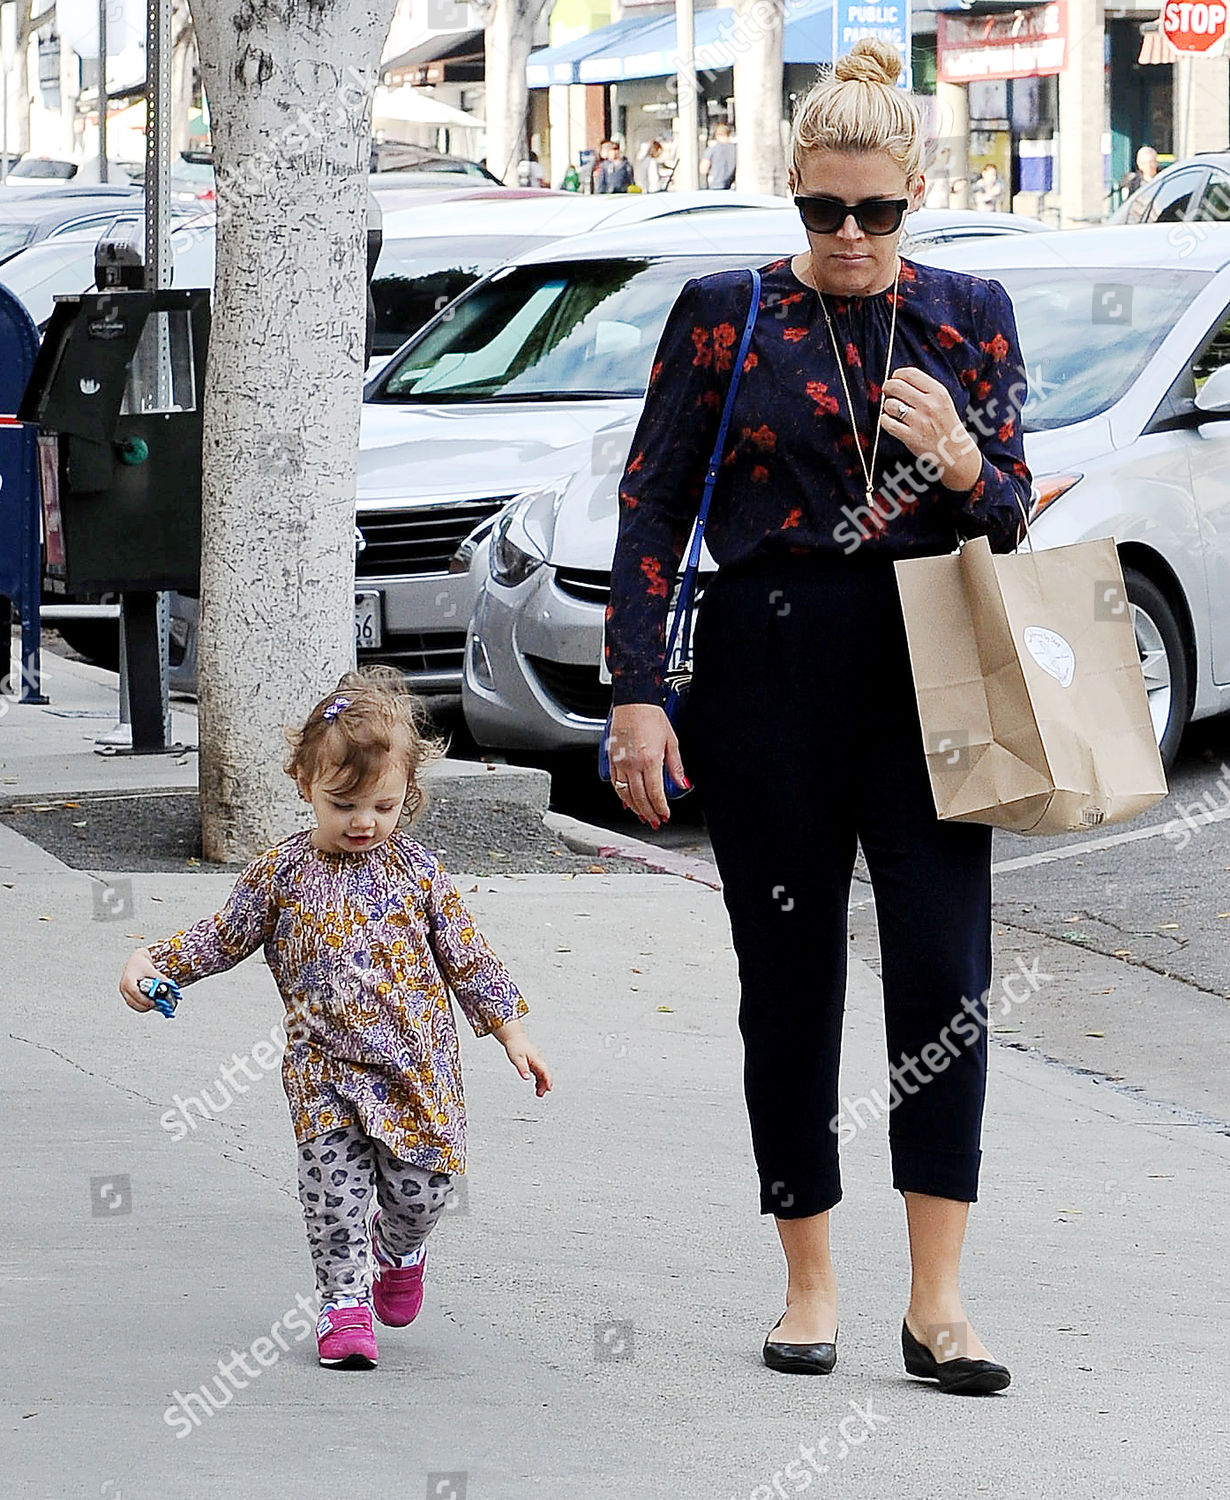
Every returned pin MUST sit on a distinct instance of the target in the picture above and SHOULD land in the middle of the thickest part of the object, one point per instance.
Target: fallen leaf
(82, 824)
(636, 971)
(1168, 926)
(596, 870)
(1108, 991)
(70, 804)
(669, 1009)
(1123, 953)
(44, 919)
(1095, 1033)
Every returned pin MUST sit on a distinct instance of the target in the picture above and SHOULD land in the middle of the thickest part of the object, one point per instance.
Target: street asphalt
(598, 1295)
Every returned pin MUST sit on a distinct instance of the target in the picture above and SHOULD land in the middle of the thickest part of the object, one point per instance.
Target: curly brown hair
(351, 733)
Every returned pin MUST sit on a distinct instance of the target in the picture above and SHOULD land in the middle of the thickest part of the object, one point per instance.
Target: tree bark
(290, 86)
(28, 24)
(508, 36)
(758, 96)
(183, 72)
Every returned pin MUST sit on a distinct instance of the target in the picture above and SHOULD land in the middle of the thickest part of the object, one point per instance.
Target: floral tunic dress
(364, 947)
(790, 478)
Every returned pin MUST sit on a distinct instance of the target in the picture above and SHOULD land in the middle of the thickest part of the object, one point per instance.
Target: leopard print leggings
(338, 1172)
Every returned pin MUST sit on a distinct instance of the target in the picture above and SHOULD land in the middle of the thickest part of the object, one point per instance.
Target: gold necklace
(868, 468)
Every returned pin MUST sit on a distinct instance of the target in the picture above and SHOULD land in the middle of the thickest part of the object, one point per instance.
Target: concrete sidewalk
(597, 1299)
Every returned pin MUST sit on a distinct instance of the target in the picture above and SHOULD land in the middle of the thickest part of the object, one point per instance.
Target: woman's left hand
(918, 411)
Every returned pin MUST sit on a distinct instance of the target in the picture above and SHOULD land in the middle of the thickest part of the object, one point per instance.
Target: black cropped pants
(801, 735)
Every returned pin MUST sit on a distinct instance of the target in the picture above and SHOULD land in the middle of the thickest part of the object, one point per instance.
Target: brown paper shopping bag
(1029, 687)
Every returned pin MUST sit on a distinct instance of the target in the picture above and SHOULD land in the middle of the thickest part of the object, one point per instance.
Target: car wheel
(1163, 661)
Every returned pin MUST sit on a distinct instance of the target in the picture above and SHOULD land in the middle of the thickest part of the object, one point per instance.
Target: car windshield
(415, 278)
(541, 332)
(1087, 333)
(13, 237)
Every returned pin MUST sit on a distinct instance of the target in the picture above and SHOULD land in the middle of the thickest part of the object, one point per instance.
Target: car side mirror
(1213, 397)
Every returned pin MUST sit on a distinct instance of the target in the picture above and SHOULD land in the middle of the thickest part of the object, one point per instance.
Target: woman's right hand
(642, 742)
(139, 966)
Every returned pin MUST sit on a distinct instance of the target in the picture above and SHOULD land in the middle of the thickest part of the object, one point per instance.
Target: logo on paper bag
(1052, 653)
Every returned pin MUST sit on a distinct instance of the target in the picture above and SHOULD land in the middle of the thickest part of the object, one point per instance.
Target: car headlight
(1047, 489)
(515, 555)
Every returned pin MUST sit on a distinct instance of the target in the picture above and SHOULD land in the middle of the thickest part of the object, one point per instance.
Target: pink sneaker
(397, 1291)
(345, 1339)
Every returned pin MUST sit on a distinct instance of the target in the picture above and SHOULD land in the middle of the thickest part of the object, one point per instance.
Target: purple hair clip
(336, 707)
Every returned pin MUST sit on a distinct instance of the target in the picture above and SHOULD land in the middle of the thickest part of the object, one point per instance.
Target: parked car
(423, 267)
(29, 221)
(401, 156)
(1191, 190)
(513, 387)
(1127, 433)
(441, 453)
(51, 170)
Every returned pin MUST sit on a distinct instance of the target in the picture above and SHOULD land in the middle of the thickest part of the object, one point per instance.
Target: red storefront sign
(1195, 27)
(1024, 43)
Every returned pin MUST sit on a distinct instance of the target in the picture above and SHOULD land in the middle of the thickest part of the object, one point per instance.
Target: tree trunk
(183, 72)
(758, 96)
(290, 86)
(508, 37)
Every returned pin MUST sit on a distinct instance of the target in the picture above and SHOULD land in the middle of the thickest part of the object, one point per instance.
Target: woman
(877, 418)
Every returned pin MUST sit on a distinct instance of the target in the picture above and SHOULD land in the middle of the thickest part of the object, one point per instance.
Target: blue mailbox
(20, 504)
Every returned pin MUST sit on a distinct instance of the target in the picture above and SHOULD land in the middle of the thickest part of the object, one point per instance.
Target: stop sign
(1195, 25)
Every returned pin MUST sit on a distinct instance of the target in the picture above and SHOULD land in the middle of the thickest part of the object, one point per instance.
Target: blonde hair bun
(871, 60)
(856, 106)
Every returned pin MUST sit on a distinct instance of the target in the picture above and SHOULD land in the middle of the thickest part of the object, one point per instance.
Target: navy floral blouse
(791, 479)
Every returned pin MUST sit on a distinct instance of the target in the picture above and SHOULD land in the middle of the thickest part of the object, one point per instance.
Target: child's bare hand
(524, 1056)
(139, 966)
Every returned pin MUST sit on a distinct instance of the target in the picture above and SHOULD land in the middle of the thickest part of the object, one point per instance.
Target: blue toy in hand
(164, 993)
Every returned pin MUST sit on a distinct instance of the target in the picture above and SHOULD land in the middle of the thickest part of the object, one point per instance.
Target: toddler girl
(364, 934)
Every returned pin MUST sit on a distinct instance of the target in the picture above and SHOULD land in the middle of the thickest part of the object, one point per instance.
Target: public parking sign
(1194, 25)
(888, 19)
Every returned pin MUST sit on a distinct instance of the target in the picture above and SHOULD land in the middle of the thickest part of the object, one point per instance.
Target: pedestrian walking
(1146, 170)
(990, 192)
(720, 160)
(365, 934)
(614, 173)
(877, 418)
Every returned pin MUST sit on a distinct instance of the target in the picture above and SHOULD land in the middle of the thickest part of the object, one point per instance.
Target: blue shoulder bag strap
(681, 628)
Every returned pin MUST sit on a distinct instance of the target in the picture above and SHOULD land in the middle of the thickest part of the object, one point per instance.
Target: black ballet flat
(959, 1377)
(799, 1359)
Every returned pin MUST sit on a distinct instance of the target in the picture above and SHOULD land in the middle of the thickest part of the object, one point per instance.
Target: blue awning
(551, 65)
(648, 49)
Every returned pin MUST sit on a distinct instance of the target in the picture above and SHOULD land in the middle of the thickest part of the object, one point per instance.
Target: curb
(588, 838)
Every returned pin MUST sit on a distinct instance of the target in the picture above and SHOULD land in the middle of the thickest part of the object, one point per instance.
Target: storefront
(1008, 64)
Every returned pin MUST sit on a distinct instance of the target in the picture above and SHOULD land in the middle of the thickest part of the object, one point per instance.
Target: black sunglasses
(824, 215)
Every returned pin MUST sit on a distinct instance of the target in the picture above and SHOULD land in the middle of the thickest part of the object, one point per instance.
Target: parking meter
(116, 393)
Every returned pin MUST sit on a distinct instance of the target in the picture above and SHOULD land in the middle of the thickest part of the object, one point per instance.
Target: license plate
(367, 622)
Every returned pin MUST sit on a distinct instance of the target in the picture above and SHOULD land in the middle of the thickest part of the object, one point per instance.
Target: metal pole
(102, 91)
(687, 152)
(157, 145)
(7, 14)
